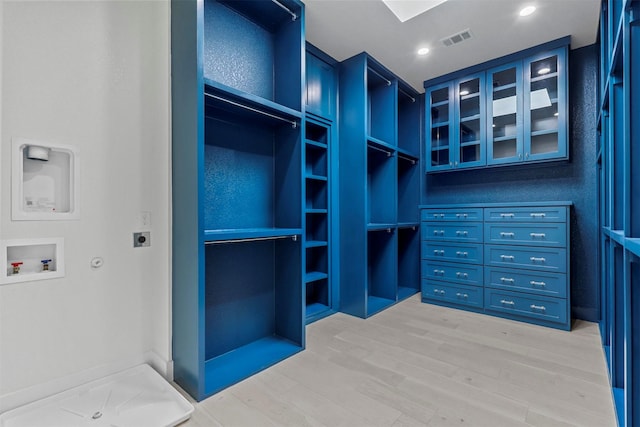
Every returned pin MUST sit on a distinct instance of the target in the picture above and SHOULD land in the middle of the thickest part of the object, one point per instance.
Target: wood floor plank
(416, 364)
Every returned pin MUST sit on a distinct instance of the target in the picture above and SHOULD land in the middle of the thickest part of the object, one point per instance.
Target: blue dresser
(508, 260)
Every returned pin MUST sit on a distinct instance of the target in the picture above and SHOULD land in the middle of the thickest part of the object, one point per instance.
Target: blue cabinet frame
(237, 170)
(619, 175)
(379, 187)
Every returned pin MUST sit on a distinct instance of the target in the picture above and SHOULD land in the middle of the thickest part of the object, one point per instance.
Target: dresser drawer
(531, 306)
(453, 252)
(550, 284)
(452, 293)
(530, 214)
(468, 274)
(544, 259)
(549, 234)
(453, 231)
(461, 214)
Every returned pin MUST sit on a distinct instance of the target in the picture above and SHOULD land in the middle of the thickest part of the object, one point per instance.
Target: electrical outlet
(141, 239)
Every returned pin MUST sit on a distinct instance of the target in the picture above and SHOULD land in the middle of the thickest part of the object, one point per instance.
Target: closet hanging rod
(293, 237)
(289, 11)
(387, 152)
(380, 75)
(413, 161)
(409, 96)
(294, 124)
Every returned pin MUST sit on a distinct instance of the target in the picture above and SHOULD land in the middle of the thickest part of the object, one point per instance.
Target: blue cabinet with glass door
(507, 111)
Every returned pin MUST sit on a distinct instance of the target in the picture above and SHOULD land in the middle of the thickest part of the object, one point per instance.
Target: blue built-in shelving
(238, 198)
(380, 138)
(619, 191)
(322, 297)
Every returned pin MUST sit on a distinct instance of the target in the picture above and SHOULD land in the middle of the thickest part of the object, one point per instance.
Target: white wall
(94, 75)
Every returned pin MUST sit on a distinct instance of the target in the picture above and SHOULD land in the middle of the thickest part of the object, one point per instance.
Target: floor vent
(456, 38)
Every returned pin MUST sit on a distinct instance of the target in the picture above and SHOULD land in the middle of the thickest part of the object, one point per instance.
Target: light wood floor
(421, 365)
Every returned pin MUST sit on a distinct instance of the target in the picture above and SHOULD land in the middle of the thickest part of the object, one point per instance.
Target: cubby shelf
(319, 293)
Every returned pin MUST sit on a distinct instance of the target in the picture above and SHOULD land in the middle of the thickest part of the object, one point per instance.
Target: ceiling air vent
(456, 38)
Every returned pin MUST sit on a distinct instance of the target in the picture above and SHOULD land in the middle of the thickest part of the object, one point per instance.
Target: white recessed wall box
(44, 181)
(24, 260)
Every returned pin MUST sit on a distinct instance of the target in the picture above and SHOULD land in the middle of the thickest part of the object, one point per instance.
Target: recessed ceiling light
(423, 51)
(526, 11)
(544, 70)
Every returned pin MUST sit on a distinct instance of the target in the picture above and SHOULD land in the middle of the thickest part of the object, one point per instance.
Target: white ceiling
(343, 28)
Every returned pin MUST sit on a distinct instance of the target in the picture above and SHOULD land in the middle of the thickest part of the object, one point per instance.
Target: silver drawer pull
(462, 254)
(438, 215)
(507, 257)
(537, 235)
(438, 232)
(438, 292)
(460, 295)
(505, 302)
(438, 272)
(507, 234)
(537, 215)
(538, 307)
(463, 275)
(534, 283)
(461, 215)
(438, 252)
(507, 279)
(507, 215)
(462, 233)
(536, 259)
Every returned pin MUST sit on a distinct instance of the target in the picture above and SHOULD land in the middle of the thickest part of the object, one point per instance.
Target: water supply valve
(16, 267)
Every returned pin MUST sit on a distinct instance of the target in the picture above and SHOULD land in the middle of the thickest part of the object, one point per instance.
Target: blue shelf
(633, 245)
(381, 226)
(250, 233)
(238, 364)
(316, 143)
(377, 304)
(405, 225)
(377, 143)
(405, 292)
(317, 311)
(316, 243)
(618, 402)
(316, 177)
(407, 155)
(313, 276)
(248, 100)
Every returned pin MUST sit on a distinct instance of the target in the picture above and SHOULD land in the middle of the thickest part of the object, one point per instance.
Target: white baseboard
(21, 397)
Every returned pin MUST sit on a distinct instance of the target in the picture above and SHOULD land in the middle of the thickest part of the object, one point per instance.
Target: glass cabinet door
(504, 114)
(470, 123)
(439, 120)
(545, 107)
